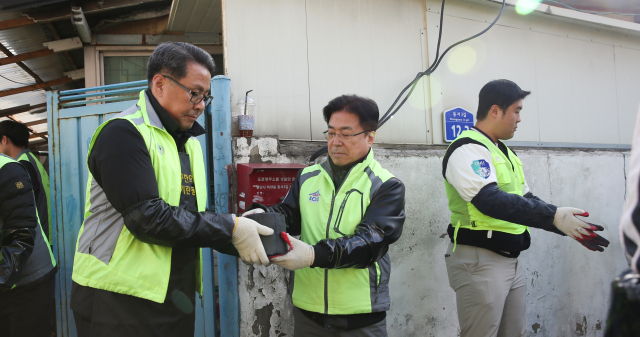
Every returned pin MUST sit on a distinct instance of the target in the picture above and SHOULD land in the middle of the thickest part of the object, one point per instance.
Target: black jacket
(18, 222)
(381, 225)
(121, 165)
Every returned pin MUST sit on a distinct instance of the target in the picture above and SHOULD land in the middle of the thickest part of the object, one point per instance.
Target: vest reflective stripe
(510, 179)
(43, 180)
(326, 214)
(108, 256)
(41, 260)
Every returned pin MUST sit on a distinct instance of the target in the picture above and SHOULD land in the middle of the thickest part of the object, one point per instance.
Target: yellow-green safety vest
(510, 179)
(327, 213)
(119, 262)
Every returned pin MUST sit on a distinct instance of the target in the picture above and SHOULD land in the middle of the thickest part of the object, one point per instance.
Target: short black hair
(502, 93)
(365, 108)
(17, 133)
(173, 57)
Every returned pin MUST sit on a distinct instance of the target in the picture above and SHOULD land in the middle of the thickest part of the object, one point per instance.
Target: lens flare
(462, 59)
(524, 7)
(420, 99)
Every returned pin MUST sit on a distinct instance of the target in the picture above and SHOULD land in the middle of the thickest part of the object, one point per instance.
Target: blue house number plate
(456, 120)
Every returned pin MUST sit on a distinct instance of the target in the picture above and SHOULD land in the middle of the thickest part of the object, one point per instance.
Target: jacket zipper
(326, 271)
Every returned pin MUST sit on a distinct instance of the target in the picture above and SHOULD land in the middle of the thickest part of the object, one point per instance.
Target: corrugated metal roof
(197, 16)
(29, 97)
(19, 41)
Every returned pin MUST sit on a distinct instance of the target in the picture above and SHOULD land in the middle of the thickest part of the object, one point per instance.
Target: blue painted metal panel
(105, 100)
(70, 131)
(205, 308)
(99, 109)
(227, 265)
(104, 87)
(93, 94)
(62, 300)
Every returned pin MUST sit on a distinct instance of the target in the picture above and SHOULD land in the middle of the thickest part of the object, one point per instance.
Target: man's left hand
(300, 255)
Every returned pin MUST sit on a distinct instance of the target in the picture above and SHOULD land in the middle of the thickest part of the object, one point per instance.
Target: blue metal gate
(73, 117)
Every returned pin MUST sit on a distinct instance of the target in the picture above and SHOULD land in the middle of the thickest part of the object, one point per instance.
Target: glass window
(121, 69)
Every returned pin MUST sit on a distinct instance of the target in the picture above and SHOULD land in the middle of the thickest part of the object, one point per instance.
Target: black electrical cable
(391, 111)
(8, 79)
(435, 65)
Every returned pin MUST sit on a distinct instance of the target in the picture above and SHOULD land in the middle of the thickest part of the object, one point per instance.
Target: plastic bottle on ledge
(246, 108)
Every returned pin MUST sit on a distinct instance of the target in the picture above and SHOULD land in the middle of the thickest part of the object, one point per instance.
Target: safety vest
(328, 213)
(43, 201)
(107, 255)
(510, 179)
(41, 260)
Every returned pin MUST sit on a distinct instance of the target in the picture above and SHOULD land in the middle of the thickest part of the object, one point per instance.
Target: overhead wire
(436, 63)
(411, 86)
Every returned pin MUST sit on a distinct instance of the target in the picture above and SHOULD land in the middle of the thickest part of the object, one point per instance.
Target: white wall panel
(584, 78)
(577, 91)
(628, 88)
(266, 51)
(369, 48)
(299, 55)
(502, 52)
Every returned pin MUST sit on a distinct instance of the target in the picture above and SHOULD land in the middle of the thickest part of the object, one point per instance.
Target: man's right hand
(583, 232)
(246, 239)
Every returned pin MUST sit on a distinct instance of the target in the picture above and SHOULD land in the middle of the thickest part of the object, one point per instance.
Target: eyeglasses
(343, 138)
(196, 97)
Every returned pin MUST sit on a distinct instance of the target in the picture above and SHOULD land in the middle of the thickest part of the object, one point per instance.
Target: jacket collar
(27, 150)
(363, 162)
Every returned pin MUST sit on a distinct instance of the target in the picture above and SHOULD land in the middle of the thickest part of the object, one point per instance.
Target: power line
(393, 109)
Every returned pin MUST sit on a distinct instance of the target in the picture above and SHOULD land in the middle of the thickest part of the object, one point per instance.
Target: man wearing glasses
(347, 211)
(138, 264)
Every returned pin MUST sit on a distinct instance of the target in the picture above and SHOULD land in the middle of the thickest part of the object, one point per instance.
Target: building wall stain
(535, 327)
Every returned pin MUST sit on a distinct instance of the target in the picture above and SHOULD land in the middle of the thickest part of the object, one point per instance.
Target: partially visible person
(624, 313)
(14, 142)
(27, 266)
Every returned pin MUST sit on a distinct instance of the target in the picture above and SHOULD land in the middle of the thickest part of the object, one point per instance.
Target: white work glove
(583, 232)
(246, 239)
(300, 255)
(566, 222)
(253, 211)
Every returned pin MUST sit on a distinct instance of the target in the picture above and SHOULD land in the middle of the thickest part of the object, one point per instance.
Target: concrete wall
(567, 285)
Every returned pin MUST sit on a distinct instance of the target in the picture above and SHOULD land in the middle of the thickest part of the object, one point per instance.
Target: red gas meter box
(264, 183)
